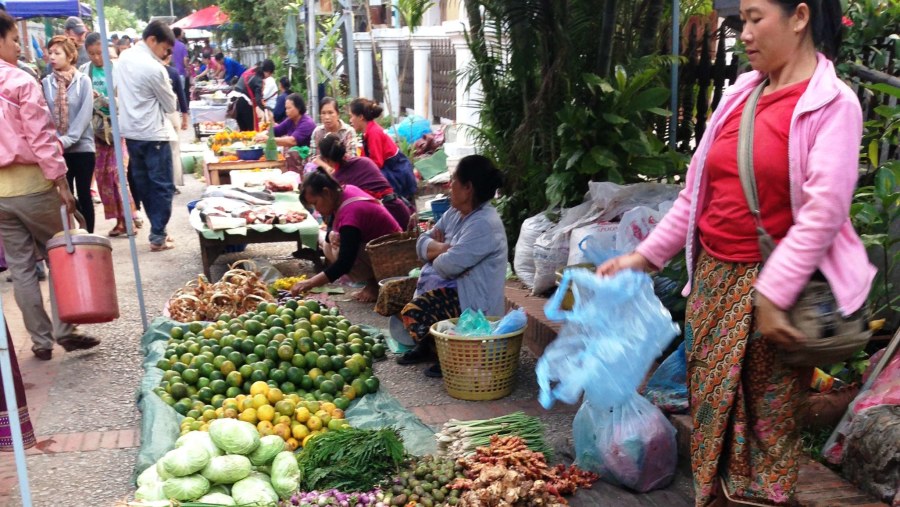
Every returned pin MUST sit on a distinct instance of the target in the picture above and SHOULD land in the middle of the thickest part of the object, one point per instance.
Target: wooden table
(211, 249)
(213, 170)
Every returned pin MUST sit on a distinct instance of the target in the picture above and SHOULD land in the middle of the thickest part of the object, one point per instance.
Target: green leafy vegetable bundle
(350, 460)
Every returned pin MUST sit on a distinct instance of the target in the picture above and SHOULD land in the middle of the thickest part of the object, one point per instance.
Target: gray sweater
(80, 95)
(476, 259)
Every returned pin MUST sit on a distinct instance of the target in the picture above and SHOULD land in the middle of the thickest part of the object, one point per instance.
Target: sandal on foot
(78, 342)
(116, 231)
(166, 245)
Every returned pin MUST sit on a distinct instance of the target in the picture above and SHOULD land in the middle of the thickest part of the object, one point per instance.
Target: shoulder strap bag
(831, 337)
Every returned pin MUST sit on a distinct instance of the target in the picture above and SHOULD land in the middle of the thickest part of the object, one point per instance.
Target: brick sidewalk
(39, 377)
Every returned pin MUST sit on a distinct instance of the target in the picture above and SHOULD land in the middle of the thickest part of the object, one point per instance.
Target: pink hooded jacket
(29, 136)
(823, 148)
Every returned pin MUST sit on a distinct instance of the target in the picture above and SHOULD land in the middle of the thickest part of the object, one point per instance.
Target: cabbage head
(216, 499)
(255, 489)
(186, 460)
(227, 469)
(285, 474)
(149, 476)
(161, 471)
(202, 439)
(269, 447)
(187, 488)
(220, 488)
(150, 492)
(233, 436)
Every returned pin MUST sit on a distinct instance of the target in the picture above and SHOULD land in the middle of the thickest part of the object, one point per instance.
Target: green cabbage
(216, 499)
(187, 488)
(269, 447)
(227, 469)
(233, 436)
(186, 460)
(220, 488)
(255, 489)
(149, 476)
(161, 471)
(202, 439)
(285, 474)
(150, 492)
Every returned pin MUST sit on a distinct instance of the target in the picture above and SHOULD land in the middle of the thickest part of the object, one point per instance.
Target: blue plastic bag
(511, 322)
(667, 388)
(615, 330)
(412, 128)
(473, 323)
(594, 252)
(631, 445)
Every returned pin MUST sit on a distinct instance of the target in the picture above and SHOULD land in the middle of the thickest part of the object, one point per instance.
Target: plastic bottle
(271, 151)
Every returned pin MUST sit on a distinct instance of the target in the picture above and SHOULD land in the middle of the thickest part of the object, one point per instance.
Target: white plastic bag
(523, 261)
(602, 236)
(635, 225)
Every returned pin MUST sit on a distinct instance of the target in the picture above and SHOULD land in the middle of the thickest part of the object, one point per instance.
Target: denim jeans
(150, 165)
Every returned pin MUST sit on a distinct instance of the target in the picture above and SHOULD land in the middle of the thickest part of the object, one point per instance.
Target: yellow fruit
(249, 415)
(337, 414)
(292, 444)
(299, 431)
(301, 414)
(313, 406)
(293, 397)
(349, 392)
(336, 424)
(265, 413)
(209, 415)
(285, 407)
(265, 428)
(247, 403)
(328, 407)
(232, 403)
(240, 398)
(259, 387)
(259, 400)
(282, 419)
(230, 413)
(307, 438)
(274, 395)
(282, 430)
(315, 373)
(314, 423)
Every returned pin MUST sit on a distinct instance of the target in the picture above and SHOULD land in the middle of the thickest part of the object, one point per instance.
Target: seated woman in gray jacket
(465, 255)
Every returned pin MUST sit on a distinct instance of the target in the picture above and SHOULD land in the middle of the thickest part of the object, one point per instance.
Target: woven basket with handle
(393, 255)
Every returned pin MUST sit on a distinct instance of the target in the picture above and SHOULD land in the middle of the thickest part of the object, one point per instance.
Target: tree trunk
(607, 31)
(650, 28)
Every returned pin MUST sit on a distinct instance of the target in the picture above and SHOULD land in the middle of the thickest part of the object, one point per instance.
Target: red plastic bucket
(81, 271)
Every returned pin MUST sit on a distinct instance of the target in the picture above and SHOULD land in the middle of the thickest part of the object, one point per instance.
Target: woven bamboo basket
(393, 255)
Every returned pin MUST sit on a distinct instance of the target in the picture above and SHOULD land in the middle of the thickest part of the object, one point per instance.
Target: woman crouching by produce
(465, 255)
(363, 173)
(357, 219)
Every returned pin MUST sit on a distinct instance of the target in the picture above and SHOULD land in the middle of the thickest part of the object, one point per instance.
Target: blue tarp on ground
(23, 9)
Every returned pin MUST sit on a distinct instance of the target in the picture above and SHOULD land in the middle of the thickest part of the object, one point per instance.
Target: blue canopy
(23, 9)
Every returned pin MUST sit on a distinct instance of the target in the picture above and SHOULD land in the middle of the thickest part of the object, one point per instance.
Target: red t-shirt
(727, 229)
(378, 144)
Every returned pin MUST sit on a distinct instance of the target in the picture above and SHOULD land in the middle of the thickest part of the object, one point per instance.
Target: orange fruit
(292, 444)
(265, 413)
(265, 428)
(274, 395)
(337, 414)
(301, 415)
(299, 431)
(282, 430)
(259, 400)
(314, 423)
(249, 416)
(259, 387)
(328, 407)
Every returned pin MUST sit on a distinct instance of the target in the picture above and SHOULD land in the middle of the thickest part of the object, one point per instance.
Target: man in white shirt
(145, 97)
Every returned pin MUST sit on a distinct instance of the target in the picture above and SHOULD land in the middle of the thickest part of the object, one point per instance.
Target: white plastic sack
(551, 250)
(640, 194)
(603, 236)
(523, 262)
(601, 192)
(635, 226)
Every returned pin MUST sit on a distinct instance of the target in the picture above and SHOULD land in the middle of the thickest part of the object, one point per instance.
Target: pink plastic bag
(884, 391)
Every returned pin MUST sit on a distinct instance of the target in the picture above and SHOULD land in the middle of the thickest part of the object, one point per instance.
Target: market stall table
(215, 171)
(305, 233)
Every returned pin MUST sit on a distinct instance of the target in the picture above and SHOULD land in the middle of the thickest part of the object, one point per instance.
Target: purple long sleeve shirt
(301, 131)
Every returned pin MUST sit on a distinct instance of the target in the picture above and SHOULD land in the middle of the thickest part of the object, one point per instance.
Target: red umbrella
(204, 18)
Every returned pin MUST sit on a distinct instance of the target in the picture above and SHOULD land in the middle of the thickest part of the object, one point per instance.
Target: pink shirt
(823, 147)
(29, 136)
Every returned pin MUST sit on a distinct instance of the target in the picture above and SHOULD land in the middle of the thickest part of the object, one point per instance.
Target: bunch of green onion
(458, 439)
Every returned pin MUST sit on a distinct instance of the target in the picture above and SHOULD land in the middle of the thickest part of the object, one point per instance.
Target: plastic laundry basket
(478, 367)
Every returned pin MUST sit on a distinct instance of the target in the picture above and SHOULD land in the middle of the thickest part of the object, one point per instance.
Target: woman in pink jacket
(745, 444)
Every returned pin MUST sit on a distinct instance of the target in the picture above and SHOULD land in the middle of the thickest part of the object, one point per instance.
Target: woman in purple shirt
(296, 129)
(358, 219)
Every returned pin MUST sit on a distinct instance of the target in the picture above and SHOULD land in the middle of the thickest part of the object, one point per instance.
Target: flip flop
(116, 231)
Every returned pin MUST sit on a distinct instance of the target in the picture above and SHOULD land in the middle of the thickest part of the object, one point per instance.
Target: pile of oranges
(289, 416)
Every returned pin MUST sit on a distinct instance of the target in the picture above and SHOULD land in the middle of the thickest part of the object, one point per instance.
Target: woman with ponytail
(379, 147)
(745, 446)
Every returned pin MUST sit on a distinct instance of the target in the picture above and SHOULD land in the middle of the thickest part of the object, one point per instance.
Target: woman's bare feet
(368, 294)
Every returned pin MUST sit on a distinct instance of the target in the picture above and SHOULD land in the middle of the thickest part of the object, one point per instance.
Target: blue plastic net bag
(615, 330)
(632, 445)
(667, 388)
(473, 323)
